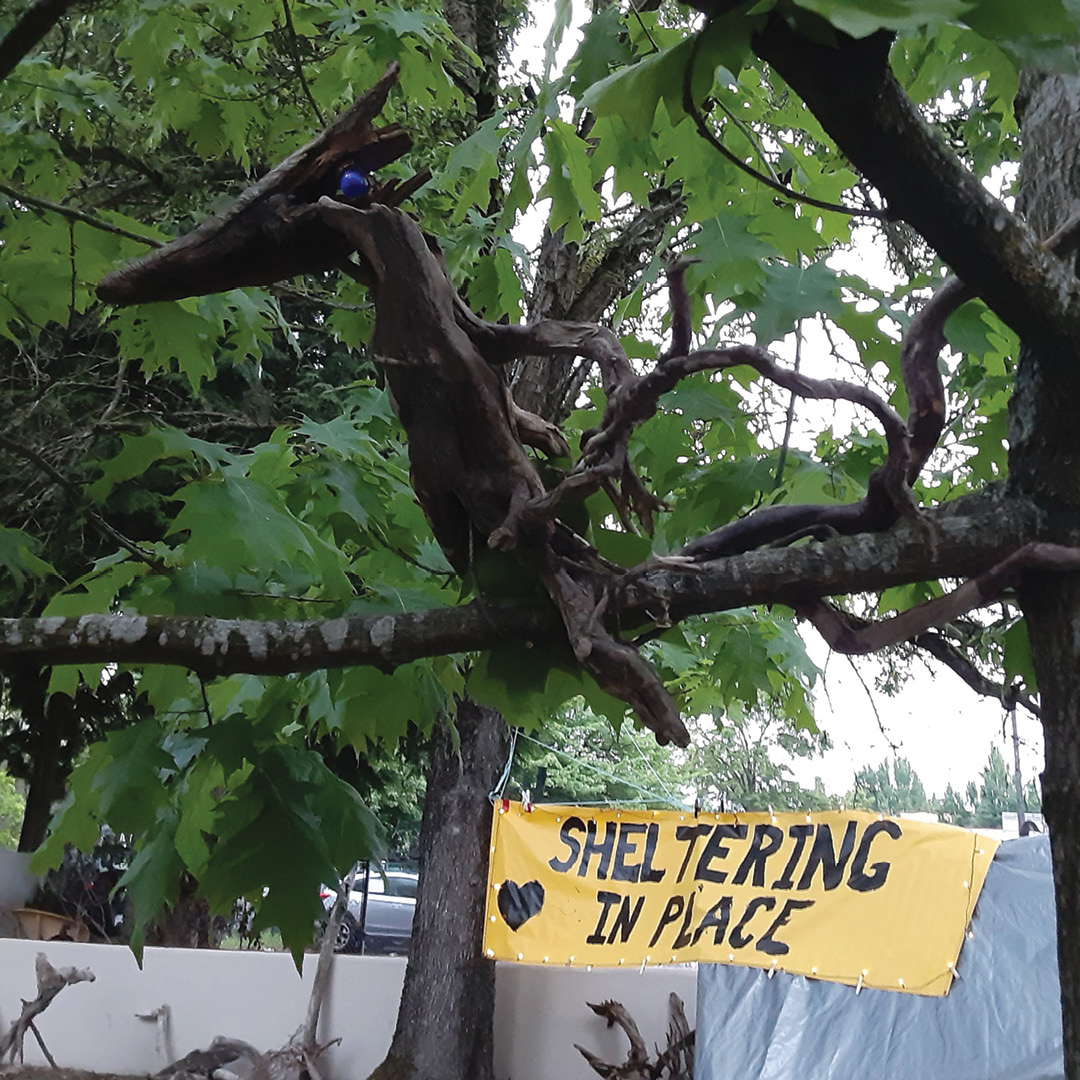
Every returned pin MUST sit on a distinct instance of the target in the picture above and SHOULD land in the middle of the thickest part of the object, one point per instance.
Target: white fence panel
(257, 996)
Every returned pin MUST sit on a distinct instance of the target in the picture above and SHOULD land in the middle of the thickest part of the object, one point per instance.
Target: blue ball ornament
(354, 184)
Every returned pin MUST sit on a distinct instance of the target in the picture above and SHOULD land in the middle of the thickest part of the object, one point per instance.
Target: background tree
(894, 787)
(11, 812)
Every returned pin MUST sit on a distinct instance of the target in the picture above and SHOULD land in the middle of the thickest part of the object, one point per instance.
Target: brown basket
(48, 926)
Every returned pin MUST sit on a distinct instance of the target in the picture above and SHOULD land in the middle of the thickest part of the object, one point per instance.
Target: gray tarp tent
(1000, 1021)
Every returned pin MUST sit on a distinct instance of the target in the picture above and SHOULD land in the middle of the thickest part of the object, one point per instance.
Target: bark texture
(1045, 465)
(444, 1025)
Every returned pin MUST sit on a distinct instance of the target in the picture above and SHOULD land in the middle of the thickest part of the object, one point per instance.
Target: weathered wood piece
(676, 1061)
(471, 474)
(273, 231)
(50, 981)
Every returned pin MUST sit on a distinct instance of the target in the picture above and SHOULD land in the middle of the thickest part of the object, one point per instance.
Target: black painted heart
(519, 903)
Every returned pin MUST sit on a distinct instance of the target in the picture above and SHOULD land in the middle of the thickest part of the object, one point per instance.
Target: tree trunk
(42, 788)
(444, 1026)
(1045, 464)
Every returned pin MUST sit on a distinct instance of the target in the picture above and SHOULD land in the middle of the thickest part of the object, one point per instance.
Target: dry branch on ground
(675, 1062)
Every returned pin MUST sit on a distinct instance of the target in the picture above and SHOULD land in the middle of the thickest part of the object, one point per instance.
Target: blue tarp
(1000, 1021)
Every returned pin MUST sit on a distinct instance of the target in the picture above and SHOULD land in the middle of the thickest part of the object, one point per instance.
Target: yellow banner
(852, 897)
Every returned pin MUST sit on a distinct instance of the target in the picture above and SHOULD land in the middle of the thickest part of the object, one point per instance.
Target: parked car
(385, 927)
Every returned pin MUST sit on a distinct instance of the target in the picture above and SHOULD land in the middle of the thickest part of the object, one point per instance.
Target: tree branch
(942, 649)
(854, 636)
(850, 88)
(50, 981)
(35, 23)
(972, 534)
(77, 215)
(76, 492)
(298, 63)
(770, 182)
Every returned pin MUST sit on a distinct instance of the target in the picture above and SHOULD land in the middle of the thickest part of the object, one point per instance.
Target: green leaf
(495, 289)
(634, 93)
(1018, 660)
(860, 18)
(17, 555)
(569, 184)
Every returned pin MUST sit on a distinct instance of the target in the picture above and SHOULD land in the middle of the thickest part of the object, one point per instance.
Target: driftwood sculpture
(674, 1062)
(471, 473)
(445, 368)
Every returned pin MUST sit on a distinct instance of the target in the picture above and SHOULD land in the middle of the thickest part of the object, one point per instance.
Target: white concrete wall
(540, 1012)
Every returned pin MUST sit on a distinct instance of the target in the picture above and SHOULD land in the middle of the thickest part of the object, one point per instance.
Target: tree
(342, 624)
(984, 802)
(892, 788)
(11, 812)
(742, 765)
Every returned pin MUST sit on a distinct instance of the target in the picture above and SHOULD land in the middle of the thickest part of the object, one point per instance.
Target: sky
(935, 720)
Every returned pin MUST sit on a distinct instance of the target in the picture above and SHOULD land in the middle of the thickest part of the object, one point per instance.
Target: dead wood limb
(274, 230)
(682, 325)
(223, 1053)
(922, 345)
(468, 467)
(478, 487)
(853, 637)
(944, 650)
(50, 981)
(309, 1036)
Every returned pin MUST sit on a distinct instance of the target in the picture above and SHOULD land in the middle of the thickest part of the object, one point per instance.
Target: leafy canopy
(242, 439)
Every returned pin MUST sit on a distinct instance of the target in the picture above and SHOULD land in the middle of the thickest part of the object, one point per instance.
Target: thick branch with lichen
(973, 535)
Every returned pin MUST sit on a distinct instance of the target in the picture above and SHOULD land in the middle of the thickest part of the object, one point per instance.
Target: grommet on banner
(521, 956)
(545, 960)
(504, 806)
(813, 970)
(491, 952)
(588, 967)
(900, 982)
